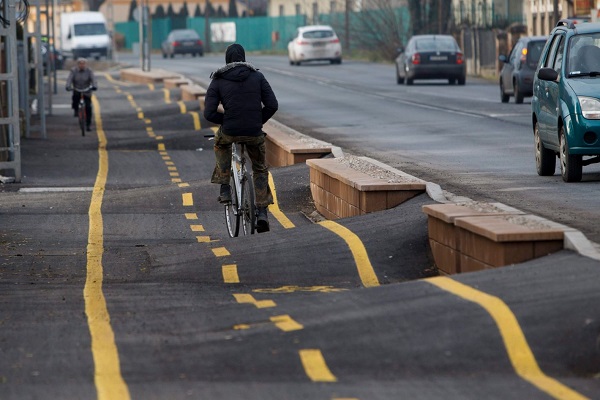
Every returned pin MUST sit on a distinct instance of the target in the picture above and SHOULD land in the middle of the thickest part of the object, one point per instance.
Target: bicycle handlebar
(87, 89)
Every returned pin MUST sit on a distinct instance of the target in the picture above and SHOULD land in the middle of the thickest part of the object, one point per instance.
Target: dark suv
(566, 100)
(516, 77)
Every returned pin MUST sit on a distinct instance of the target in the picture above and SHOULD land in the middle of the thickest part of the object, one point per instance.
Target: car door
(510, 67)
(548, 94)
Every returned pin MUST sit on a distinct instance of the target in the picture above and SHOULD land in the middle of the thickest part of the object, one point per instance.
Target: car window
(515, 53)
(558, 61)
(90, 29)
(534, 52)
(549, 61)
(322, 34)
(584, 54)
(439, 43)
(185, 35)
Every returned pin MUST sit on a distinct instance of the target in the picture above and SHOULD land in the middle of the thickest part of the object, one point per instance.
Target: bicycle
(241, 210)
(81, 112)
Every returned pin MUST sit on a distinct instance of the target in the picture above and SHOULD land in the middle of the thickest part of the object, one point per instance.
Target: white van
(84, 34)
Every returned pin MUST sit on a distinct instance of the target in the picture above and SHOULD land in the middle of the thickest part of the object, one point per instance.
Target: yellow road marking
(140, 115)
(173, 173)
(286, 323)
(182, 107)
(183, 185)
(151, 86)
(107, 370)
(204, 239)
(166, 158)
(148, 121)
(176, 180)
(315, 366)
(191, 216)
(196, 117)
(172, 168)
(159, 137)
(518, 350)
(230, 274)
(197, 228)
(167, 96)
(188, 200)
(243, 298)
(361, 258)
(220, 252)
(274, 208)
(161, 147)
(169, 163)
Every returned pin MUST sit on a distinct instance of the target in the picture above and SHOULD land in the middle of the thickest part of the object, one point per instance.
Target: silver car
(315, 43)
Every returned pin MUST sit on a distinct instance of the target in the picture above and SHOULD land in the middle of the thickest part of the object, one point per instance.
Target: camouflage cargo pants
(256, 149)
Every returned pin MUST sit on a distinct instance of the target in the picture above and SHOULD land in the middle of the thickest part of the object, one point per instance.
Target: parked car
(315, 43)
(566, 100)
(182, 41)
(431, 57)
(516, 76)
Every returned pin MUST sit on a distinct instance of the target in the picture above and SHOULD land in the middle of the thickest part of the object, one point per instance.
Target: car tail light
(199, 42)
(416, 58)
(459, 58)
(336, 40)
(302, 43)
(175, 44)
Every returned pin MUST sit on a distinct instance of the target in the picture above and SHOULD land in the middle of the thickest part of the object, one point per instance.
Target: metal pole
(555, 11)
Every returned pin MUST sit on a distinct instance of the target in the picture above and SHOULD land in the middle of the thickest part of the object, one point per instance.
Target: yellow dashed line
(167, 96)
(175, 180)
(204, 239)
(286, 323)
(220, 252)
(159, 138)
(161, 147)
(361, 258)
(197, 228)
(196, 117)
(191, 216)
(274, 208)
(151, 86)
(107, 370)
(230, 274)
(172, 168)
(315, 366)
(148, 121)
(182, 107)
(248, 299)
(518, 350)
(183, 185)
(188, 199)
(140, 115)
(169, 163)
(174, 174)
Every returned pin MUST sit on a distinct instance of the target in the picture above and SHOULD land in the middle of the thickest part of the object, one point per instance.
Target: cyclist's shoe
(88, 128)
(225, 194)
(262, 220)
(75, 113)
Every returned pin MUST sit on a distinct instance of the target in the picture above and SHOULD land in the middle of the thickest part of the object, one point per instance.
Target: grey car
(182, 41)
(431, 57)
(516, 76)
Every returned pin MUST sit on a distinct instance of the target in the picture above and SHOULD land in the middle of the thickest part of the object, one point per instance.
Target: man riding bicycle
(249, 102)
(82, 77)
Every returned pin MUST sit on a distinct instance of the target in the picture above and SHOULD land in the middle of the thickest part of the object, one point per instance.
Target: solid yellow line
(249, 299)
(361, 258)
(188, 200)
(196, 120)
(230, 274)
(286, 323)
(182, 107)
(107, 370)
(518, 350)
(167, 96)
(274, 208)
(315, 366)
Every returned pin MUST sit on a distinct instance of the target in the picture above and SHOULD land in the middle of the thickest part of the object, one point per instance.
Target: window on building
(281, 13)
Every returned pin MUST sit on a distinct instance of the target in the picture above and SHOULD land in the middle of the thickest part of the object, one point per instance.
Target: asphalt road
(461, 137)
(131, 288)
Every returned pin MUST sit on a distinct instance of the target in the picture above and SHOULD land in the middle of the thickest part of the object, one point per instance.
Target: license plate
(319, 44)
(188, 43)
(438, 58)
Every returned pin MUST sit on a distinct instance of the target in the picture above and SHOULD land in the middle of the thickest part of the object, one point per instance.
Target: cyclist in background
(82, 77)
(249, 102)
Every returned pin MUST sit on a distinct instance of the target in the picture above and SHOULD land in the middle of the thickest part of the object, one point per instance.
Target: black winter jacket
(247, 99)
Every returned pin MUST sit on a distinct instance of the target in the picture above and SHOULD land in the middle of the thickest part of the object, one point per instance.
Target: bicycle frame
(81, 112)
(242, 207)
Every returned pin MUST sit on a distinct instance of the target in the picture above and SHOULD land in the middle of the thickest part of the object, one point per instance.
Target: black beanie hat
(235, 53)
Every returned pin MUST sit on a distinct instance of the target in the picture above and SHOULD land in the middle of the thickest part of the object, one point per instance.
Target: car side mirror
(502, 58)
(400, 50)
(547, 74)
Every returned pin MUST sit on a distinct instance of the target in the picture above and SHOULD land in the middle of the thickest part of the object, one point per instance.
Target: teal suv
(566, 100)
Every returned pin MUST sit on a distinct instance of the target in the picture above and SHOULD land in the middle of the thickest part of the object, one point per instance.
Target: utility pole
(347, 25)
(206, 27)
(555, 11)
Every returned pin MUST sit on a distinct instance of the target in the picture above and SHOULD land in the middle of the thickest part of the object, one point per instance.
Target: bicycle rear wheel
(248, 205)
(232, 214)
(81, 115)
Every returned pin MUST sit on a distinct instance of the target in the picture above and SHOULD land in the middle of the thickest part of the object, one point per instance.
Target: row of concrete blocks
(463, 237)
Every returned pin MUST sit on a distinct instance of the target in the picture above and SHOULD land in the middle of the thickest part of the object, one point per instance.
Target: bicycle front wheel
(232, 213)
(81, 115)
(248, 205)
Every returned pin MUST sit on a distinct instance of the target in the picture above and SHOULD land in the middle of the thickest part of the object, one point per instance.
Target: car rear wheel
(503, 96)
(451, 81)
(164, 55)
(570, 165)
(399, 79)
(545, 160)
(518, 94)
(462, 80)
